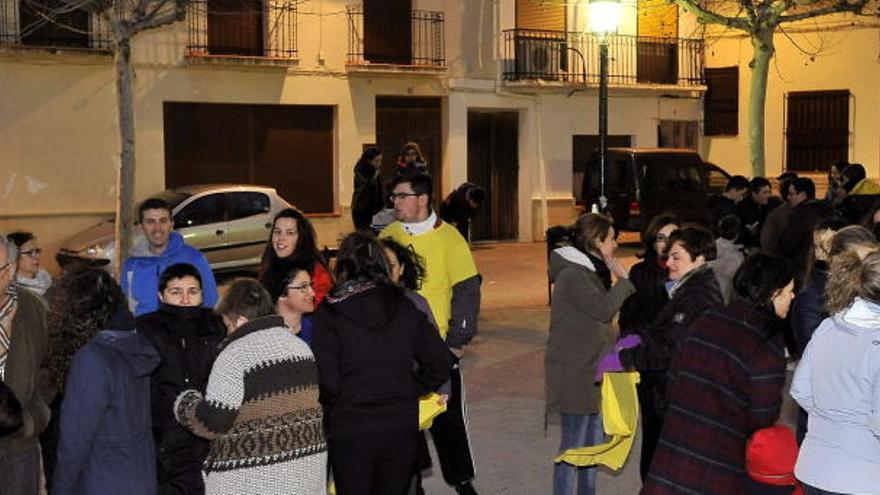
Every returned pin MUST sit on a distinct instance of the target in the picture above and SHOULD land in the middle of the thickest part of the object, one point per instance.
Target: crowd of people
(710, 318)
(309, 376)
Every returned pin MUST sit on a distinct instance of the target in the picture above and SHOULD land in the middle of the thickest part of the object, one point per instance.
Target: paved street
(504, 375)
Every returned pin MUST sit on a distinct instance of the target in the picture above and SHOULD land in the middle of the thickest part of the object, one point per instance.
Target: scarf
(39, 284)
(419, 228)
(589, 261)
(862, 314)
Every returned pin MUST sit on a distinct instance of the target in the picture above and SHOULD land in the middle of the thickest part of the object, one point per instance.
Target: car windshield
(173, 198)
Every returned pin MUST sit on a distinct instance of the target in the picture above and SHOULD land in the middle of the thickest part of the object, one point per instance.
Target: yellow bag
(429, 409)
(620, 416)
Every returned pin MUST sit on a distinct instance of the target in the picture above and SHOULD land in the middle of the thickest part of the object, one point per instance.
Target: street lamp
(604, 17)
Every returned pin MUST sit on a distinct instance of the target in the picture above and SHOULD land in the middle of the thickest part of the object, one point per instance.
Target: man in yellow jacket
(452, 289)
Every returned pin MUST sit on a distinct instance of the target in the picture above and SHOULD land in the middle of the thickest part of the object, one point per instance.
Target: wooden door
(493, 164)
(388, 31)
(401, 119)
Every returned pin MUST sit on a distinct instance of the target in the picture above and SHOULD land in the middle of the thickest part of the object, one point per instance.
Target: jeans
(812, 490)
(20, 473)
(578, 430)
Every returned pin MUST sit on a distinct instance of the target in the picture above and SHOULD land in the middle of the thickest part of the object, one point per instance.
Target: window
(202, 211)
(816, 129)
(717, 179)
(288, 147)
(246, 204)
(388, 31)
(69, 27)
(235, 27)
(677, 134)
(721, 106)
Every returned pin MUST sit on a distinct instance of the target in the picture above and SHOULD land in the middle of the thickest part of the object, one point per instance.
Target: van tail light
(635, 209)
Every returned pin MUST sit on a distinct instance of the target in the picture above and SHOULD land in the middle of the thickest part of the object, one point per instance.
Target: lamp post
(604, 16)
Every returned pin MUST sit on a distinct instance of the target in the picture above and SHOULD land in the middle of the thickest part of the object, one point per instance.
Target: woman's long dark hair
(362, 257)
(760, 277)
(81, 305)
(413, 265)
(306, 248)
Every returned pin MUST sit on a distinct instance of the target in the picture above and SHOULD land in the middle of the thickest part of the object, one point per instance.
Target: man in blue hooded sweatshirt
(160, 249)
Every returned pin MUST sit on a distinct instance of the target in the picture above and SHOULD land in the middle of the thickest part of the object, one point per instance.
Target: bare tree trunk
(762, 49)
(125, 185)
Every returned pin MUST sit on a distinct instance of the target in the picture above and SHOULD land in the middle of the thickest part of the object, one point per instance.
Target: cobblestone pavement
(504, 375)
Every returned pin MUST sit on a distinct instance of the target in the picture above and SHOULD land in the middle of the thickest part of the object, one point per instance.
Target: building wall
(848, 59)
(59, 130)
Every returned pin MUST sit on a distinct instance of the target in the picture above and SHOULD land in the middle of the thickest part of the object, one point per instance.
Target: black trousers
(652, 423)
(375, 463)
(450, 435)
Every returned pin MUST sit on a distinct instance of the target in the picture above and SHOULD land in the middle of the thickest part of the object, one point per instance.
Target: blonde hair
(851, 277)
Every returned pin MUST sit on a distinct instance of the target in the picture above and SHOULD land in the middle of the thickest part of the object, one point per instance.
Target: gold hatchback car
(228, 223)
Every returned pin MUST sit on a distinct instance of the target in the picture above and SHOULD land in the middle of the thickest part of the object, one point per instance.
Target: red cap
(770, 456)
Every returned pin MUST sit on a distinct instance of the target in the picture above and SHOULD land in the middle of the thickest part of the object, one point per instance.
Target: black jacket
(719, 206)
(188, 340)
(642, 307)
(751, 213)
(662, 338)
(366, 199)
(808, 309)
(796, 241)
(367, 339)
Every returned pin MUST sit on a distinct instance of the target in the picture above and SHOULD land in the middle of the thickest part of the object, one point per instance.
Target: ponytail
(844, 282)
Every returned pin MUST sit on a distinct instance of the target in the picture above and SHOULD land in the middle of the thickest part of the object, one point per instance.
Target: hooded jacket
(366, 339)
(187, 340)
(141, 272)
(105, 439)
(580, 330)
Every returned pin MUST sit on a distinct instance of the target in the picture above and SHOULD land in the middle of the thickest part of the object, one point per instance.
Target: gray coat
(580, 334)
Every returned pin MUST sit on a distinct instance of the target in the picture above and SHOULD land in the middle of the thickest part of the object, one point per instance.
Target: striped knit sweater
(261, 413)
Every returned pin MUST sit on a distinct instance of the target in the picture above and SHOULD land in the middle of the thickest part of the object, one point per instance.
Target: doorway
(493, 164)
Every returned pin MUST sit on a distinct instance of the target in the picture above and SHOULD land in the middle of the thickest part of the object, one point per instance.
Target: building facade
(287, 93)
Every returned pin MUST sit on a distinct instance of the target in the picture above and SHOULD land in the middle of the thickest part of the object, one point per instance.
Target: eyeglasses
(661, 238)
(303, 288)
(4, 267)
(33, 253)
(401, 195)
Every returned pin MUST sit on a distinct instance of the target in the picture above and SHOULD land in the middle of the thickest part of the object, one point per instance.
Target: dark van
(643, 182)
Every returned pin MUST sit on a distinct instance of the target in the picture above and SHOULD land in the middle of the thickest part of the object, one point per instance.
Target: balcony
(553, 56)
(257, 31)
(27, 24)
(376, 42)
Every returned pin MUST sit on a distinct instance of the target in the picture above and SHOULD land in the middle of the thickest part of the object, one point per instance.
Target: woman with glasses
(411, 159)
(293, 241)
(297, 300)
(187, 337)
(29, 273)
(649, 276)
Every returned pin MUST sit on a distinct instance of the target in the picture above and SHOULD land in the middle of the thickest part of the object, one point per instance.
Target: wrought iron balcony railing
(242, 28)
(416, 39)
(531, 54)
(52, 24)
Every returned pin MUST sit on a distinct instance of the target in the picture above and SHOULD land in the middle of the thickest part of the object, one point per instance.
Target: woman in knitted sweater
(261, 409)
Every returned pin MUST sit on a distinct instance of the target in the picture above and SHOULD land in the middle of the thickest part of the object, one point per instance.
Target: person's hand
(442, 399)
(628, 342)
(459, 353)
(617, 267)
(608, 364)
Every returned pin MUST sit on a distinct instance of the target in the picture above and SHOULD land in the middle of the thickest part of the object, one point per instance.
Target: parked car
(643, 182)
(228, 223)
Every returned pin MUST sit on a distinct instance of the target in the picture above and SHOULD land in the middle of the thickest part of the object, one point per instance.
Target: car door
(202, 223)
(249, 223)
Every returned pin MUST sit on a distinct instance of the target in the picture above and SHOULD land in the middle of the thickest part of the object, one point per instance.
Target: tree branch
(841, 6)
(707, 16)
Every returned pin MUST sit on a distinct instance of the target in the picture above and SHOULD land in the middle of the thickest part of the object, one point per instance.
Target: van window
(673, 176)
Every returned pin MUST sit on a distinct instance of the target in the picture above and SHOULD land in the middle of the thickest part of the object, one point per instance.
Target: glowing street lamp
(604, 17)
